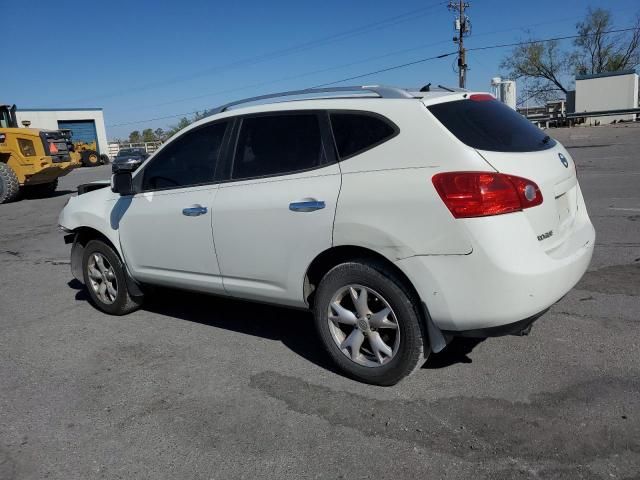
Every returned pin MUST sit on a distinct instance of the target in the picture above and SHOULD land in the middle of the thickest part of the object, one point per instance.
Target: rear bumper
(518, 329)
(508, 276)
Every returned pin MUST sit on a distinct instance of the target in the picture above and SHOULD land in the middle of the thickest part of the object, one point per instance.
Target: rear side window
(491, 125)
(278, 144)
(356, 132)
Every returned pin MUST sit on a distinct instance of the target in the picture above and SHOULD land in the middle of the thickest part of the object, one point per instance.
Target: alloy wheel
(102, 278)
(363, 326)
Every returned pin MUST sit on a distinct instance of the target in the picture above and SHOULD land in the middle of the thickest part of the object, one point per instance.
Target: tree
(183, 123)
(159, 134)
(598, 51)
(201, 115)
(134, 137)
(545, 64)
(147, 135)
(548, 69)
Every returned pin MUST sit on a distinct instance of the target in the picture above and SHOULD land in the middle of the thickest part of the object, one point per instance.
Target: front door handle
(307, 205)
(194, 210)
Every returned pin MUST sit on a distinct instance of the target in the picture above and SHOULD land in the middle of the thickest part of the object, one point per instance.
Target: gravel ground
(201, 387)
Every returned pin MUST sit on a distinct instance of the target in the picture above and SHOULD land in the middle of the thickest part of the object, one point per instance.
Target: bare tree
(543, 64)
(599, 51)
(548, 69)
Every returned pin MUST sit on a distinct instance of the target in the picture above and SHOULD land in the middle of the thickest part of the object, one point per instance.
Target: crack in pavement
(552, 426)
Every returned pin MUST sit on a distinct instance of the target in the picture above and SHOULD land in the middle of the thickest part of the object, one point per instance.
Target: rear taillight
(479, 194)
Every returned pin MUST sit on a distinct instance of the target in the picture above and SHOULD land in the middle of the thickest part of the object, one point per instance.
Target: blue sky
(142, 60)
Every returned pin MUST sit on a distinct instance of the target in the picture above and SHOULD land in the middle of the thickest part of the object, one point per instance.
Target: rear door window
(277, 145)
(355, 133)
(487, 124)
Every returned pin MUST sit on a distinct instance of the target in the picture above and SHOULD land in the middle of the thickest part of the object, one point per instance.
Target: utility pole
(462, 26)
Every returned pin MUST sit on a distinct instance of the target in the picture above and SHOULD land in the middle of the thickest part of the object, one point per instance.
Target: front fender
(93, 210)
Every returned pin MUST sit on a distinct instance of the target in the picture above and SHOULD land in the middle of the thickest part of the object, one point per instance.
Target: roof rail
(380, 90)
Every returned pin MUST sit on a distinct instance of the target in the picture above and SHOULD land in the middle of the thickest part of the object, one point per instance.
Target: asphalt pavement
(197, 387)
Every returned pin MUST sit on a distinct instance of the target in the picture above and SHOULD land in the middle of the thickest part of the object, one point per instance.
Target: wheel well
(337, 255)
(84, 236)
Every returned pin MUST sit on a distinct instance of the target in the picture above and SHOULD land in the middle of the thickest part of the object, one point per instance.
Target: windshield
(130, 151)
(487, 124)
(5, 119)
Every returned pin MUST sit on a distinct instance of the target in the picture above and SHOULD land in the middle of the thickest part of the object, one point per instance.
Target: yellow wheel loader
(87, 153)
(30, 159)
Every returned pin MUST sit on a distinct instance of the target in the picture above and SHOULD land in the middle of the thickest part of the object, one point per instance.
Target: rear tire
(43, 190)
(90, 158)
(9, 185)
(105, 279)
(400, 330)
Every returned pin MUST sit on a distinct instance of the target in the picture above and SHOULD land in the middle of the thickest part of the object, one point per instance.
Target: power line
(488, 47)
(531, 42)
(378, 25)
(292, 77)
(404, 65)
(314, 72)
(395, 67)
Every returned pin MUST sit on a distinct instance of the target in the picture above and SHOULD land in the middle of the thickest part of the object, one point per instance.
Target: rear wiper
(545, 140)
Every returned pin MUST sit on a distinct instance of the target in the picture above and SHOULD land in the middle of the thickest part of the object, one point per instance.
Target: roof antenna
(426, 88)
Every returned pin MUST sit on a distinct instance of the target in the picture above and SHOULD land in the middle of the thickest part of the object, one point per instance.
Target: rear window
(491, 125)
(356, 132)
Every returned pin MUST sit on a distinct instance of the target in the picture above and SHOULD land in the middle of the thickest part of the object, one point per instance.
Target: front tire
(9, 185)
(105, 280)
(369, 323)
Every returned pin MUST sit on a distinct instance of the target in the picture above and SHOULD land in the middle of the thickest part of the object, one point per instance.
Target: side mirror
(122, 181)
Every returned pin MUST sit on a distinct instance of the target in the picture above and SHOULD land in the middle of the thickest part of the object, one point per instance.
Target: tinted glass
(491, 125)
(356, 132)
(4, 119)
(130, 151)
(278, 144)
(189, 160)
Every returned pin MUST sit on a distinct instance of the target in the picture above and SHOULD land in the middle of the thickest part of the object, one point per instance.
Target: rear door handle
(307, 205)
(194, 210)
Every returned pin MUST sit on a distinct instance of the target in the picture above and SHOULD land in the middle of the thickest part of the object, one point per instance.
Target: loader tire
(90, 158)
(9, 186)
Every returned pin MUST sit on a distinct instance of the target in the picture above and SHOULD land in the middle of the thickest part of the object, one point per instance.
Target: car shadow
(26, 195)
(457, 351)
(294, 328)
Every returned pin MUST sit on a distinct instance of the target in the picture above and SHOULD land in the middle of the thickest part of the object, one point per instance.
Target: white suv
(400, 218)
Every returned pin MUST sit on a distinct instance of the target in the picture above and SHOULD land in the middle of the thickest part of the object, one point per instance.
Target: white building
(504, 90)
(607, 91)
(86, 124)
